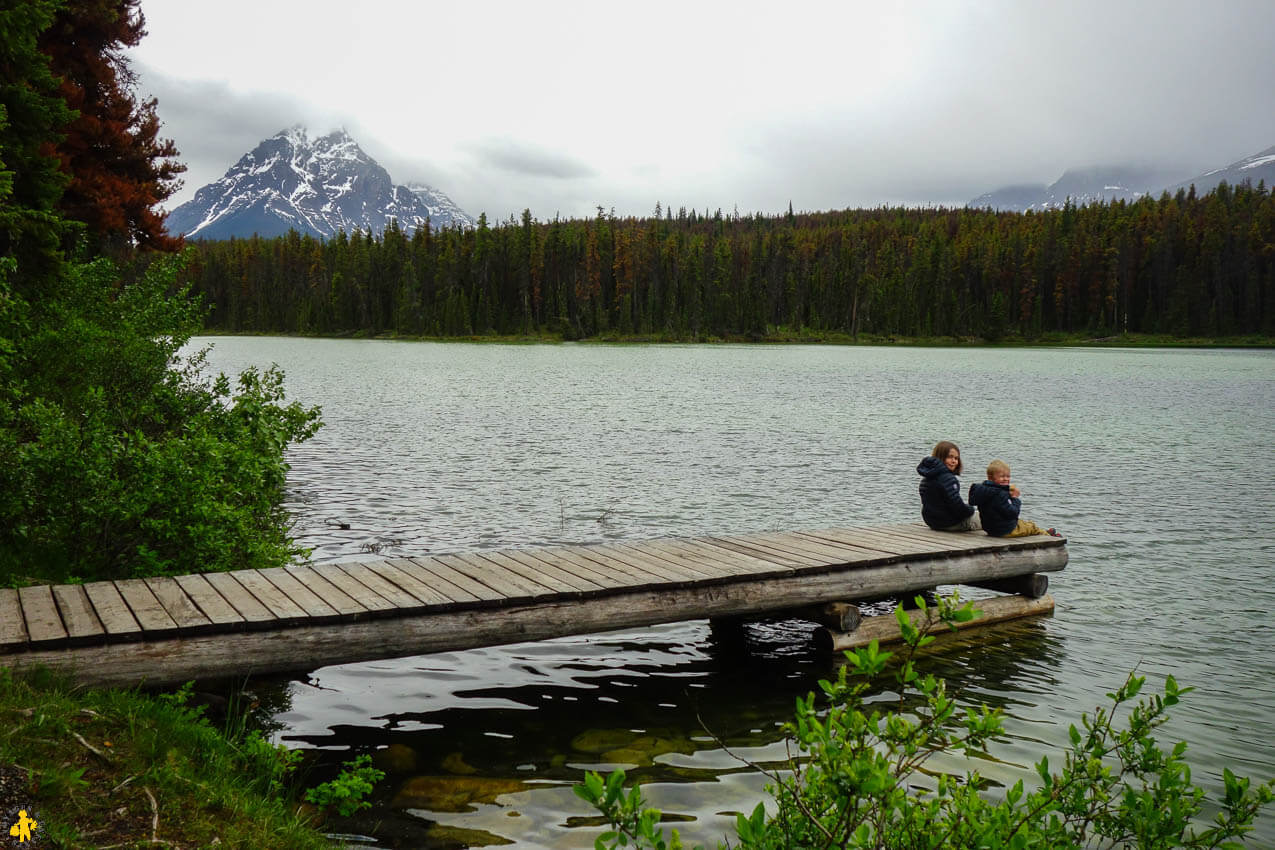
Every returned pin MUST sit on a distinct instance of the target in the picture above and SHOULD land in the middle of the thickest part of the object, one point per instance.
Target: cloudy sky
(562, 107)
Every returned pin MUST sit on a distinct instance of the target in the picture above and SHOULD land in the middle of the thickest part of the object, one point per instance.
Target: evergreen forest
(1182, 265)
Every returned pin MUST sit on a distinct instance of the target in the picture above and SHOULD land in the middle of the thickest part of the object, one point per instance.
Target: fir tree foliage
(1183, 266)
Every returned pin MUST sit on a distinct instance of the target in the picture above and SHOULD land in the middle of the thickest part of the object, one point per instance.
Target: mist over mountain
(317, 185)
(1128, 183)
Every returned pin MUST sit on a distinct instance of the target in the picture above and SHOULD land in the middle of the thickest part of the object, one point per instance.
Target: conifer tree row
(1180, 265)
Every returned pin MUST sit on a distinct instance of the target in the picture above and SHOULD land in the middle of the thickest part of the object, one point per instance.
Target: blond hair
(997, 466)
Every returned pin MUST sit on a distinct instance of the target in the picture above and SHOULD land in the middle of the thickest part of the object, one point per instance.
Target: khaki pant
(1026, 528)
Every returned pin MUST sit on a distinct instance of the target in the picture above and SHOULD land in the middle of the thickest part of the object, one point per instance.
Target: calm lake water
(1156, 464)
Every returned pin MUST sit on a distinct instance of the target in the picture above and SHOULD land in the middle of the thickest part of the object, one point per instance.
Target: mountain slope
(1253, 169)
(320, 186)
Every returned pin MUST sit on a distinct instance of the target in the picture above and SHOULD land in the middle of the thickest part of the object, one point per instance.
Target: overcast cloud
(564, 107)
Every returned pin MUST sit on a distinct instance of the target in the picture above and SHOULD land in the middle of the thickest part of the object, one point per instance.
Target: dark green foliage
(858, 776)
(1185, 266)
(117, 459)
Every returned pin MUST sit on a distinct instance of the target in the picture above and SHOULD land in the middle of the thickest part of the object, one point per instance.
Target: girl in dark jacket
(942, 507)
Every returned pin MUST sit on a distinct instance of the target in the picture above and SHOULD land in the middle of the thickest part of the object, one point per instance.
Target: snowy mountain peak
(315, 184)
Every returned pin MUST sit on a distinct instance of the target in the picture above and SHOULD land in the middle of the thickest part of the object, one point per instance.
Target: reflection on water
(1154, 463)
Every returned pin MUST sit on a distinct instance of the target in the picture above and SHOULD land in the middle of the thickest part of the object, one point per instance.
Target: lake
(1156, 465)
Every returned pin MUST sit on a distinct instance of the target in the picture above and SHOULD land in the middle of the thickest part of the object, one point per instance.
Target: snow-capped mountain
(1082, 185)
(1087, 186)
(1254, 169)
(317, 185)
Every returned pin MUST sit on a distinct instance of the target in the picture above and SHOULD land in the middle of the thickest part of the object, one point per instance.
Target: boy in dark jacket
(999, 503)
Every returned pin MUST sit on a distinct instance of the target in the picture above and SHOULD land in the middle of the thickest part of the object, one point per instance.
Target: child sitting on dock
(942, 507)
(999, 503)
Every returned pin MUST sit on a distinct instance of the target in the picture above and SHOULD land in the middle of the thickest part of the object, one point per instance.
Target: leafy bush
(859, 778)
(117, 457)
(345, 793)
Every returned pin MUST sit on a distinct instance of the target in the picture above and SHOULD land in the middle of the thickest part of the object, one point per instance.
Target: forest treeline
(1183, 265)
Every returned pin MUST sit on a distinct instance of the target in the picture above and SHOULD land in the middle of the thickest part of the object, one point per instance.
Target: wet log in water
(885, 628)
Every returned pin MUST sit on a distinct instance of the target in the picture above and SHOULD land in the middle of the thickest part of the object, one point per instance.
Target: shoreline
(1150, 341)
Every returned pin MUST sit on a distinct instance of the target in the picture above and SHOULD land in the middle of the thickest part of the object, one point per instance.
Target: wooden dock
(163, 631)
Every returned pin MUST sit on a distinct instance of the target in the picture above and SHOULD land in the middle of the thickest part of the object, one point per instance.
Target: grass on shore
(121, 769)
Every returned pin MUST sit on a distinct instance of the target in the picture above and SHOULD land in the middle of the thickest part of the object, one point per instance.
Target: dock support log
(885, 628)
(1032, 585)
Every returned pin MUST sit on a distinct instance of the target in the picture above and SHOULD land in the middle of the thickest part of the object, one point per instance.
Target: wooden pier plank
(547, 574)
(44, 624)
(150, 614)
(873, 539)
(604, 557)
(179, 606)
(112, 610)
(616, 572)
(13, 627)
(726, 562)
(331, 595)
(82, 624)
(397, 596)
(454, 592)
(507, 584)
(445, 576)
(538, 559)
(650, 570)
(702, 569)
(945, 540)
(253, 611)
(307, 600)
(833, 553)
(760, 550)
(274, 599)
(871, 548)
(209, 601)
(356, 590)
(428, 595)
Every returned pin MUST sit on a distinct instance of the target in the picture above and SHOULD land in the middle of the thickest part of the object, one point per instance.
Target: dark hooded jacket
(941, 503)
(997, 510)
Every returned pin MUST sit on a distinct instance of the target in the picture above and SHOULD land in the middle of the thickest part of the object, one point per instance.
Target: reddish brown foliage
(120, 169)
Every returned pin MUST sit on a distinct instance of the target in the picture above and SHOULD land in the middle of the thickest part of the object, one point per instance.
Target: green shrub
(346, 792)
(118, 458)
(858, 779)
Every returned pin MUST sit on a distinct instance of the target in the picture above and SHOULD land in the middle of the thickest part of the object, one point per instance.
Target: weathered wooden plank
(112, 610)
(658, 570)
(872, 551)
(253, 611)
(505, 583)
(552, 577)
(150, 615)
(608, 569)
(447, 576)
(331, 595)
(13, 628)
(275, 600)
(538, 559)
(81, 622)
(872, 539)
(941, 542)
(762, 551)
(314, 607)
(703, 568)
(396, 595)
(534, 581)
(305, 646)
(211, 603)
(430, 596)
(179, 606)
(606, 557)
(454, 592)
(832, 552)
(729, 562)
(885, 628)
(353, 588)
(44, 624)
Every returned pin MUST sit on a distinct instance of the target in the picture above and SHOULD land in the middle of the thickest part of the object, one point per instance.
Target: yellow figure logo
(22, 829)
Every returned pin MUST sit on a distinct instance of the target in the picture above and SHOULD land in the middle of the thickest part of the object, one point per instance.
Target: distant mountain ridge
(318, 185)
(1128, 183)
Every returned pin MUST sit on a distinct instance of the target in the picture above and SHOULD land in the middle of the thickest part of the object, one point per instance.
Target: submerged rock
(452, 793)
(396, 758)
